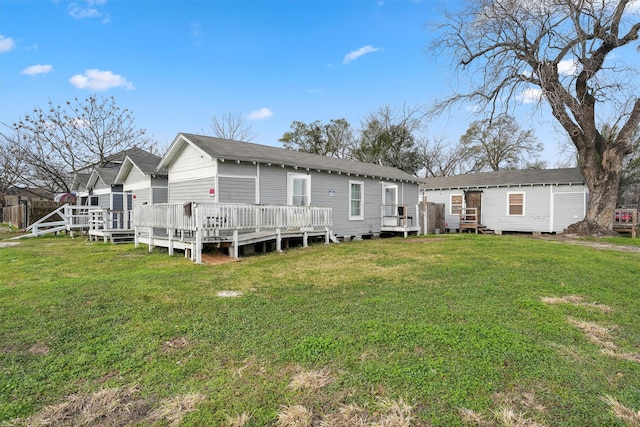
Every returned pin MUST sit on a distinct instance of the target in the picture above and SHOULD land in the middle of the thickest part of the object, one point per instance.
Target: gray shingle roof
(505, 178)
(146, 162)
(246, 151)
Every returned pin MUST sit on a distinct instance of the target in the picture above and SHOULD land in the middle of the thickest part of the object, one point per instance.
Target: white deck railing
(110, 219)
(230, 216)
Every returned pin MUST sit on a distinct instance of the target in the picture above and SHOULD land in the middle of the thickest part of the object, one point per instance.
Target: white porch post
(136, 239)
(197, 255)
(150, 239)
(278, 240)
(235, 243)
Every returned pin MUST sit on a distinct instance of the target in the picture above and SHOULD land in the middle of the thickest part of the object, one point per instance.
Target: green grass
(444, 323)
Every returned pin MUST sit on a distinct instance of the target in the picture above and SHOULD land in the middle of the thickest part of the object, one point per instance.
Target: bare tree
(10, 166)
(555, 50)
(499, 144)
(441, 158)
(232, 126)
(61, 139)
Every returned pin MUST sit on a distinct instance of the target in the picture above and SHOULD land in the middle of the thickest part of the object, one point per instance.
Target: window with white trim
(515, 204)
(299, 189)
(356, 200)
(456, 202)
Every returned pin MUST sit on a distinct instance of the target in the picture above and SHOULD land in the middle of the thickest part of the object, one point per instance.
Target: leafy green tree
(334, 139)
(388, 137)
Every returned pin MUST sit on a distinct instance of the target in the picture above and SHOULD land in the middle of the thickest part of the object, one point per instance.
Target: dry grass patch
(512, 411)
(350, 415)
(627, 415)
(596, 333)
(577, 300)
(239, 420)
(621, 355)
(111, 407)
(311, 380)
(174, 409)
(395, 413)
(295, 416)
(502, 417)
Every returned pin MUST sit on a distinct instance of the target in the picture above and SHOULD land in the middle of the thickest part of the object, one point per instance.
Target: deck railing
(469, 216)
(230, 216)
(110, 219)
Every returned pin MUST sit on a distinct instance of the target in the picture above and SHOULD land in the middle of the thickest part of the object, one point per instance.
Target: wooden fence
(27, 212)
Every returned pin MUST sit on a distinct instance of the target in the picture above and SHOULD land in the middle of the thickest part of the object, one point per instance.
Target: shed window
(356, 199)
(455, 206)
(515, 204)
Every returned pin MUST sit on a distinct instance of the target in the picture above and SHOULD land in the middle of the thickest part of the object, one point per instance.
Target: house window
(356, 200)
(299, 189)
(515, 204)
(456, 203)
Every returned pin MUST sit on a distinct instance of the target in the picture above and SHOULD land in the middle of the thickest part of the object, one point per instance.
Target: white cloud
(37, 69)
(6, 44)
(88, 10)
(352, 56)
(100, 80)
(530, 95)
(568, 67)
(261, 114)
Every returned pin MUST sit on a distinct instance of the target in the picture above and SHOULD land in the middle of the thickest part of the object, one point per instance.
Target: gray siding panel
(236, 169)
(159, 195)
(236, 190)
(196, 190)
(568, 209)
(273, 185)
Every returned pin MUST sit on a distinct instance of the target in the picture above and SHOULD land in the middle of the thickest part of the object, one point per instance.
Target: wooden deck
(193, 226)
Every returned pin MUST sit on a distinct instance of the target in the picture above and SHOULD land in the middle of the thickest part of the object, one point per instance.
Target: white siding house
(542, 200)
(141, 182)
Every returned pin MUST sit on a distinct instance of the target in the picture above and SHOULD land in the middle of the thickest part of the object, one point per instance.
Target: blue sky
(175, 64)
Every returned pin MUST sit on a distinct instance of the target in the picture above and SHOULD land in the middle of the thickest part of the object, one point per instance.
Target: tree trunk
(602, 175)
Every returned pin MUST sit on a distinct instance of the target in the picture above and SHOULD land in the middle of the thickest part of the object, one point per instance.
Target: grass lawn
(454, 330)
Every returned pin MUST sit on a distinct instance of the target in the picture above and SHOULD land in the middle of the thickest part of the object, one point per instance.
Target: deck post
(136, 239)
(150, 239)
(170, 234)
(327, 236)
(197, 256)
(235, 243)
(305, 239)
(278, 240)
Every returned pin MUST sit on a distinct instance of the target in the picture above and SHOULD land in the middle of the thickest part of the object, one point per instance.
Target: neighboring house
(95, 185)
(365, 198)
(540, 200)
(141, 182)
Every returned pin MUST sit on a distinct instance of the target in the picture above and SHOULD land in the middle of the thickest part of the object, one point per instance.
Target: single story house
(140, 180)
(366, 199)
(536, 201)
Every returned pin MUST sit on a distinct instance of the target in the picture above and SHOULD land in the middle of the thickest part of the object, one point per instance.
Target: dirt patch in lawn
(217, 258)
(7, 244)
(572, 240)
